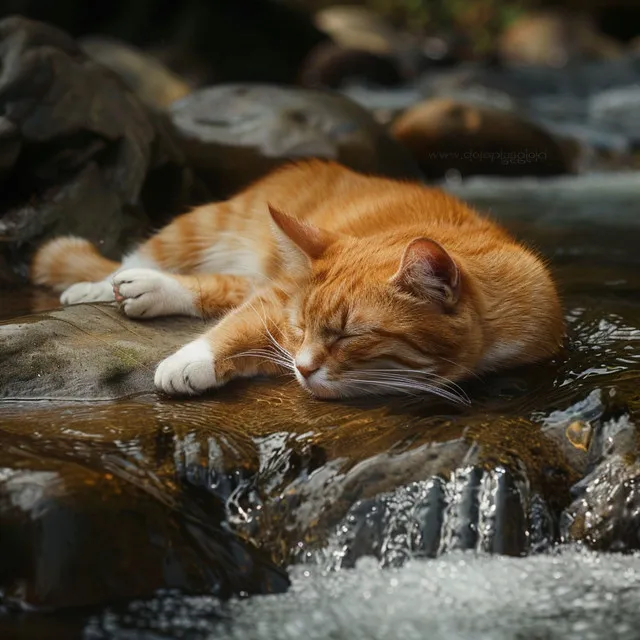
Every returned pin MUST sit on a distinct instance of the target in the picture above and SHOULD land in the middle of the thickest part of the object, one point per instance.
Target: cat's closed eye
(297, 330)
(343, 338)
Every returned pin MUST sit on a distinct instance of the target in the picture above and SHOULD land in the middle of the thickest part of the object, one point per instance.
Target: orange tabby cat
(356, 284)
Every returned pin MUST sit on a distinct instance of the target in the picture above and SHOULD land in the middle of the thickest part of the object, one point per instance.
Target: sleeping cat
(355, 284)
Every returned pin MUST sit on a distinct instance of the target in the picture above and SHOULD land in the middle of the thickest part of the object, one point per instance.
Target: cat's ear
(311, 240)
(428, 271)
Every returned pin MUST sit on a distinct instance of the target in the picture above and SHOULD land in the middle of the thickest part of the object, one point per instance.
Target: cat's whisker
(413, 386)
(411, 379)
(283, 352)
(402, 374)
(266, 355)
(467, 370)
(402, 388)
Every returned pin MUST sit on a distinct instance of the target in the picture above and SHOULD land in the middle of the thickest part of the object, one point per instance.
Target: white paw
(188, 371)
(148, 293)
(88, 292)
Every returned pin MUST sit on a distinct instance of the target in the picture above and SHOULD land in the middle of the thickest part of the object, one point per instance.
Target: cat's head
(370, 319)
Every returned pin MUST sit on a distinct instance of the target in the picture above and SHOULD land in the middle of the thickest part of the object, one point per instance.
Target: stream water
(581, 405)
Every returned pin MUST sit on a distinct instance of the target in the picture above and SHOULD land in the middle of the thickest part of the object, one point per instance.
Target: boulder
(155, 85)
(233, 134)
(80, 153)
(605, 512)
(78, 529)
(443, 134)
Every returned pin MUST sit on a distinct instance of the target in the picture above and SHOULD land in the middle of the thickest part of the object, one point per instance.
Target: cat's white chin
(319, 387)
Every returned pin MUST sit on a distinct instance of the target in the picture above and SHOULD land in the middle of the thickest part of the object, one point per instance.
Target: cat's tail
(63, 261)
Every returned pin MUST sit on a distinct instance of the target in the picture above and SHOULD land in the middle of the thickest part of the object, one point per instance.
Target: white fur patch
(190, 371)
(502, 352)
(80, 292)
(138, 260)
(230, 257)
(304, 358)
(319, 385)
(145, 293)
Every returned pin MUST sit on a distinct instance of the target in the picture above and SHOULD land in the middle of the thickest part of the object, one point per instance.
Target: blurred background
(208, 95)
(222, 40)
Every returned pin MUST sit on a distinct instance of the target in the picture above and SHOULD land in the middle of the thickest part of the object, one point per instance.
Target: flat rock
(85, 352)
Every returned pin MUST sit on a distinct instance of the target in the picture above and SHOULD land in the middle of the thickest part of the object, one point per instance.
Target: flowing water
(389, 513)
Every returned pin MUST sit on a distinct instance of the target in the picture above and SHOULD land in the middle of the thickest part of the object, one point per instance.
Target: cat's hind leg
(245, 343)
(146, 293)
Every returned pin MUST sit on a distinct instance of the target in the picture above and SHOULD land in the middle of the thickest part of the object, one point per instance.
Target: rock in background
(79, 153)
(446, 135)
(234, 134)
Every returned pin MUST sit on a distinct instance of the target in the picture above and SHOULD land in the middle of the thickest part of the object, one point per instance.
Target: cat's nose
(306, 371)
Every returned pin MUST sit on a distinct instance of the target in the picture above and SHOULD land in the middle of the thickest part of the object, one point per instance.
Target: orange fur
(66, 260)
(367, 285)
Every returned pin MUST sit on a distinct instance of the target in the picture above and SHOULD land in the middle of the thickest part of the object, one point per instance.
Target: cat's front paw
(88, 292)
(189, 371)
(146, 293)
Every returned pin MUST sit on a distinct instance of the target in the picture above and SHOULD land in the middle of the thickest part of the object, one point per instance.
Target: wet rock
(295, 468)
(152, 82)
(87, 351)
(75, 534)
(445, 135)
(477, 490)
(81, 154)
(233, 134)
(555, 38)
(472, 509)
(605, 514)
